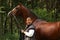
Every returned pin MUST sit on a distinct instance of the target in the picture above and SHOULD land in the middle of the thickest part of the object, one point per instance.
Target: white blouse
(30, 33)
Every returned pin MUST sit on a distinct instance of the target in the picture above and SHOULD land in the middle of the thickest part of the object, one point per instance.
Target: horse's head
(23, 12)
(15, 11)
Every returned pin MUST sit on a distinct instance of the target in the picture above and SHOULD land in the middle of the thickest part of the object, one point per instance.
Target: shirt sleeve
(30, 33)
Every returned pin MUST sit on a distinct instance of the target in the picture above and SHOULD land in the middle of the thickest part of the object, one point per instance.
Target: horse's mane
(29, 10)
(33, 14)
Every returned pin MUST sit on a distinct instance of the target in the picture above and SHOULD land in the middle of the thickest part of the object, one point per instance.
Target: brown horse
(44, 30)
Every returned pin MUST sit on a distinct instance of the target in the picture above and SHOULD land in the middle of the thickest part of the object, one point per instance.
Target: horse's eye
(16, 8)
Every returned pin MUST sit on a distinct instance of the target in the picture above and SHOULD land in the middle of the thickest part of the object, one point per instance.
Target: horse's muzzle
(9, 13)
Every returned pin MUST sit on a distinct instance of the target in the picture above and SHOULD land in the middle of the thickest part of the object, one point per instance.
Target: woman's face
(28, 21)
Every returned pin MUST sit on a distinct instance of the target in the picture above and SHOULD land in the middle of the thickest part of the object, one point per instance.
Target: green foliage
(44, 9)
(44, 14)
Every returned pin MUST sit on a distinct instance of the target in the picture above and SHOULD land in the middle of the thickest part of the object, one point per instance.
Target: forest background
(48, 10)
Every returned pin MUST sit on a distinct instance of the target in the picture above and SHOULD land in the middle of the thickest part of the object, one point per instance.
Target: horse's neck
(27, 13)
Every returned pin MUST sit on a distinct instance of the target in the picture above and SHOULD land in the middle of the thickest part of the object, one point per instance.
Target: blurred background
(48, 10)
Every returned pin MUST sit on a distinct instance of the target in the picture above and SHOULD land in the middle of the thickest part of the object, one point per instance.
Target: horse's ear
(20, 4)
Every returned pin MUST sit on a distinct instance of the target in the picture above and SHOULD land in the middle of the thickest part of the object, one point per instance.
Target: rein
(21, 34)
(18, 25)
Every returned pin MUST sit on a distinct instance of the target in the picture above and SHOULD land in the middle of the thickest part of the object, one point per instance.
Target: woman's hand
(22, 31)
